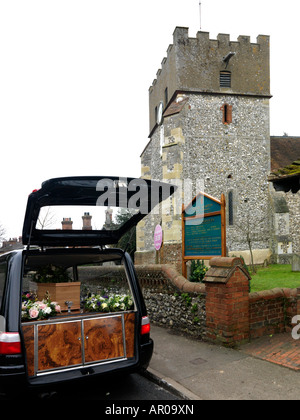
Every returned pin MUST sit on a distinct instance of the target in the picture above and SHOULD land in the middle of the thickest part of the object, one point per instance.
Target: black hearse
(95, 322)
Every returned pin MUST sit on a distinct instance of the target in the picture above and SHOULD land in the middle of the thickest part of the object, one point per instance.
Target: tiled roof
(287, 178)
(284, 151)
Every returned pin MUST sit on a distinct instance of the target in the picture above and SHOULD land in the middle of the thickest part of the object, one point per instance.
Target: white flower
(47, 310)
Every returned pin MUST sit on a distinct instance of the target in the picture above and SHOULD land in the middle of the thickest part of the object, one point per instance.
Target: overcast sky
(75, 74)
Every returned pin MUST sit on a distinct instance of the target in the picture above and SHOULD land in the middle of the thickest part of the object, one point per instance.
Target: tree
(2, 233)
(248, 228)
(46, 219)
(128, 240)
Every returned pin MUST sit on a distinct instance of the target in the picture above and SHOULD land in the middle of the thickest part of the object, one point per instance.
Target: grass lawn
(275, 275)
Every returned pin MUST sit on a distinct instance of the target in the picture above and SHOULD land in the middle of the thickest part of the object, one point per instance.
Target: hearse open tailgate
(139, 195)
(77, 342)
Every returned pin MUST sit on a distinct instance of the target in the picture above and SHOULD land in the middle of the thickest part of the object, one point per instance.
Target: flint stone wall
(172, 301)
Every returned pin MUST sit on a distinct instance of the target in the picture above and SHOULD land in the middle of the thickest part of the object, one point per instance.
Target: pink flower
(33, 313)
(57, 308)
(42, 305)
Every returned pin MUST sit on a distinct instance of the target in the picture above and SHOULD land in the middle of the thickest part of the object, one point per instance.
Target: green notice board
(202, 205)
(205, 238)
(203, 229)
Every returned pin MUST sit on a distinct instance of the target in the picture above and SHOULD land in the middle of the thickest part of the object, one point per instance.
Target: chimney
(86, 220)
(67, 223)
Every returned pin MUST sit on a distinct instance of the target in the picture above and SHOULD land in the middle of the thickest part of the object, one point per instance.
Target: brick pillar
(227, 301)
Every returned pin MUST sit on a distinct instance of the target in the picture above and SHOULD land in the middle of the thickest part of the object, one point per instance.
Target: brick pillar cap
(222, 268)
(225, 262)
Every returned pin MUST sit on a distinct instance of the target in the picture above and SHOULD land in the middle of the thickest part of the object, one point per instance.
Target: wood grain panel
(28, 334)
(105, 338)
(129, 333)
(60, 293)
(59, 345)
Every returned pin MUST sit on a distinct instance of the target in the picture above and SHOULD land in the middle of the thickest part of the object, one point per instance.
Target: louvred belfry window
(227, 114)
(225, 79)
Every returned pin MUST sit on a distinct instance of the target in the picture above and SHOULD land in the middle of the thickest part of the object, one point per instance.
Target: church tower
(209, 124)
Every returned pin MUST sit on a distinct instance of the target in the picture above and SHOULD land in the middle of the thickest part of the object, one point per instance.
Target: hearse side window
(106, 279)
(3, 269)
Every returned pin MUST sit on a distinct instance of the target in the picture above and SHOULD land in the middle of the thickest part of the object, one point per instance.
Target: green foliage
(198, 271)
(187, 299)
(194, 308)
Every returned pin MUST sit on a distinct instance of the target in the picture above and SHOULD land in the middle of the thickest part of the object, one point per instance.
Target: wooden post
(223, 224)
(184, 271)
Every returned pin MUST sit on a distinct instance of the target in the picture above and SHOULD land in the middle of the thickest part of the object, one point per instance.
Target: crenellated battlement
(194, 64)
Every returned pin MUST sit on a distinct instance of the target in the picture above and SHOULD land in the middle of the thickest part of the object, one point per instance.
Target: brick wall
(221, 309)
(271, 311)
(227, 313)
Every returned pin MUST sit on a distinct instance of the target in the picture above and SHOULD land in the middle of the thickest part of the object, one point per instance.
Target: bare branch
(46, 219)
(2, 233)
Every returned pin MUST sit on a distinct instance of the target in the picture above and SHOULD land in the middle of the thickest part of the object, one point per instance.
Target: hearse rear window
(83, 217)
(76, 281)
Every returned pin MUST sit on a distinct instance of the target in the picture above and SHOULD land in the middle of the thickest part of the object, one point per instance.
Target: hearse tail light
(145, 328)
(10, 343)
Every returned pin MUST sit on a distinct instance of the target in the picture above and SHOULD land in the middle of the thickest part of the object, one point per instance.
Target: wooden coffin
(61, 293)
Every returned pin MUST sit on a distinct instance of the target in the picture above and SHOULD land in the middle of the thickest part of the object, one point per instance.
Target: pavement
(267, 368)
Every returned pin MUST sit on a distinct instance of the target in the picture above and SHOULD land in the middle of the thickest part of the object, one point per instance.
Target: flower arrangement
(51, 274)
(108, 303)
(33, 309)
